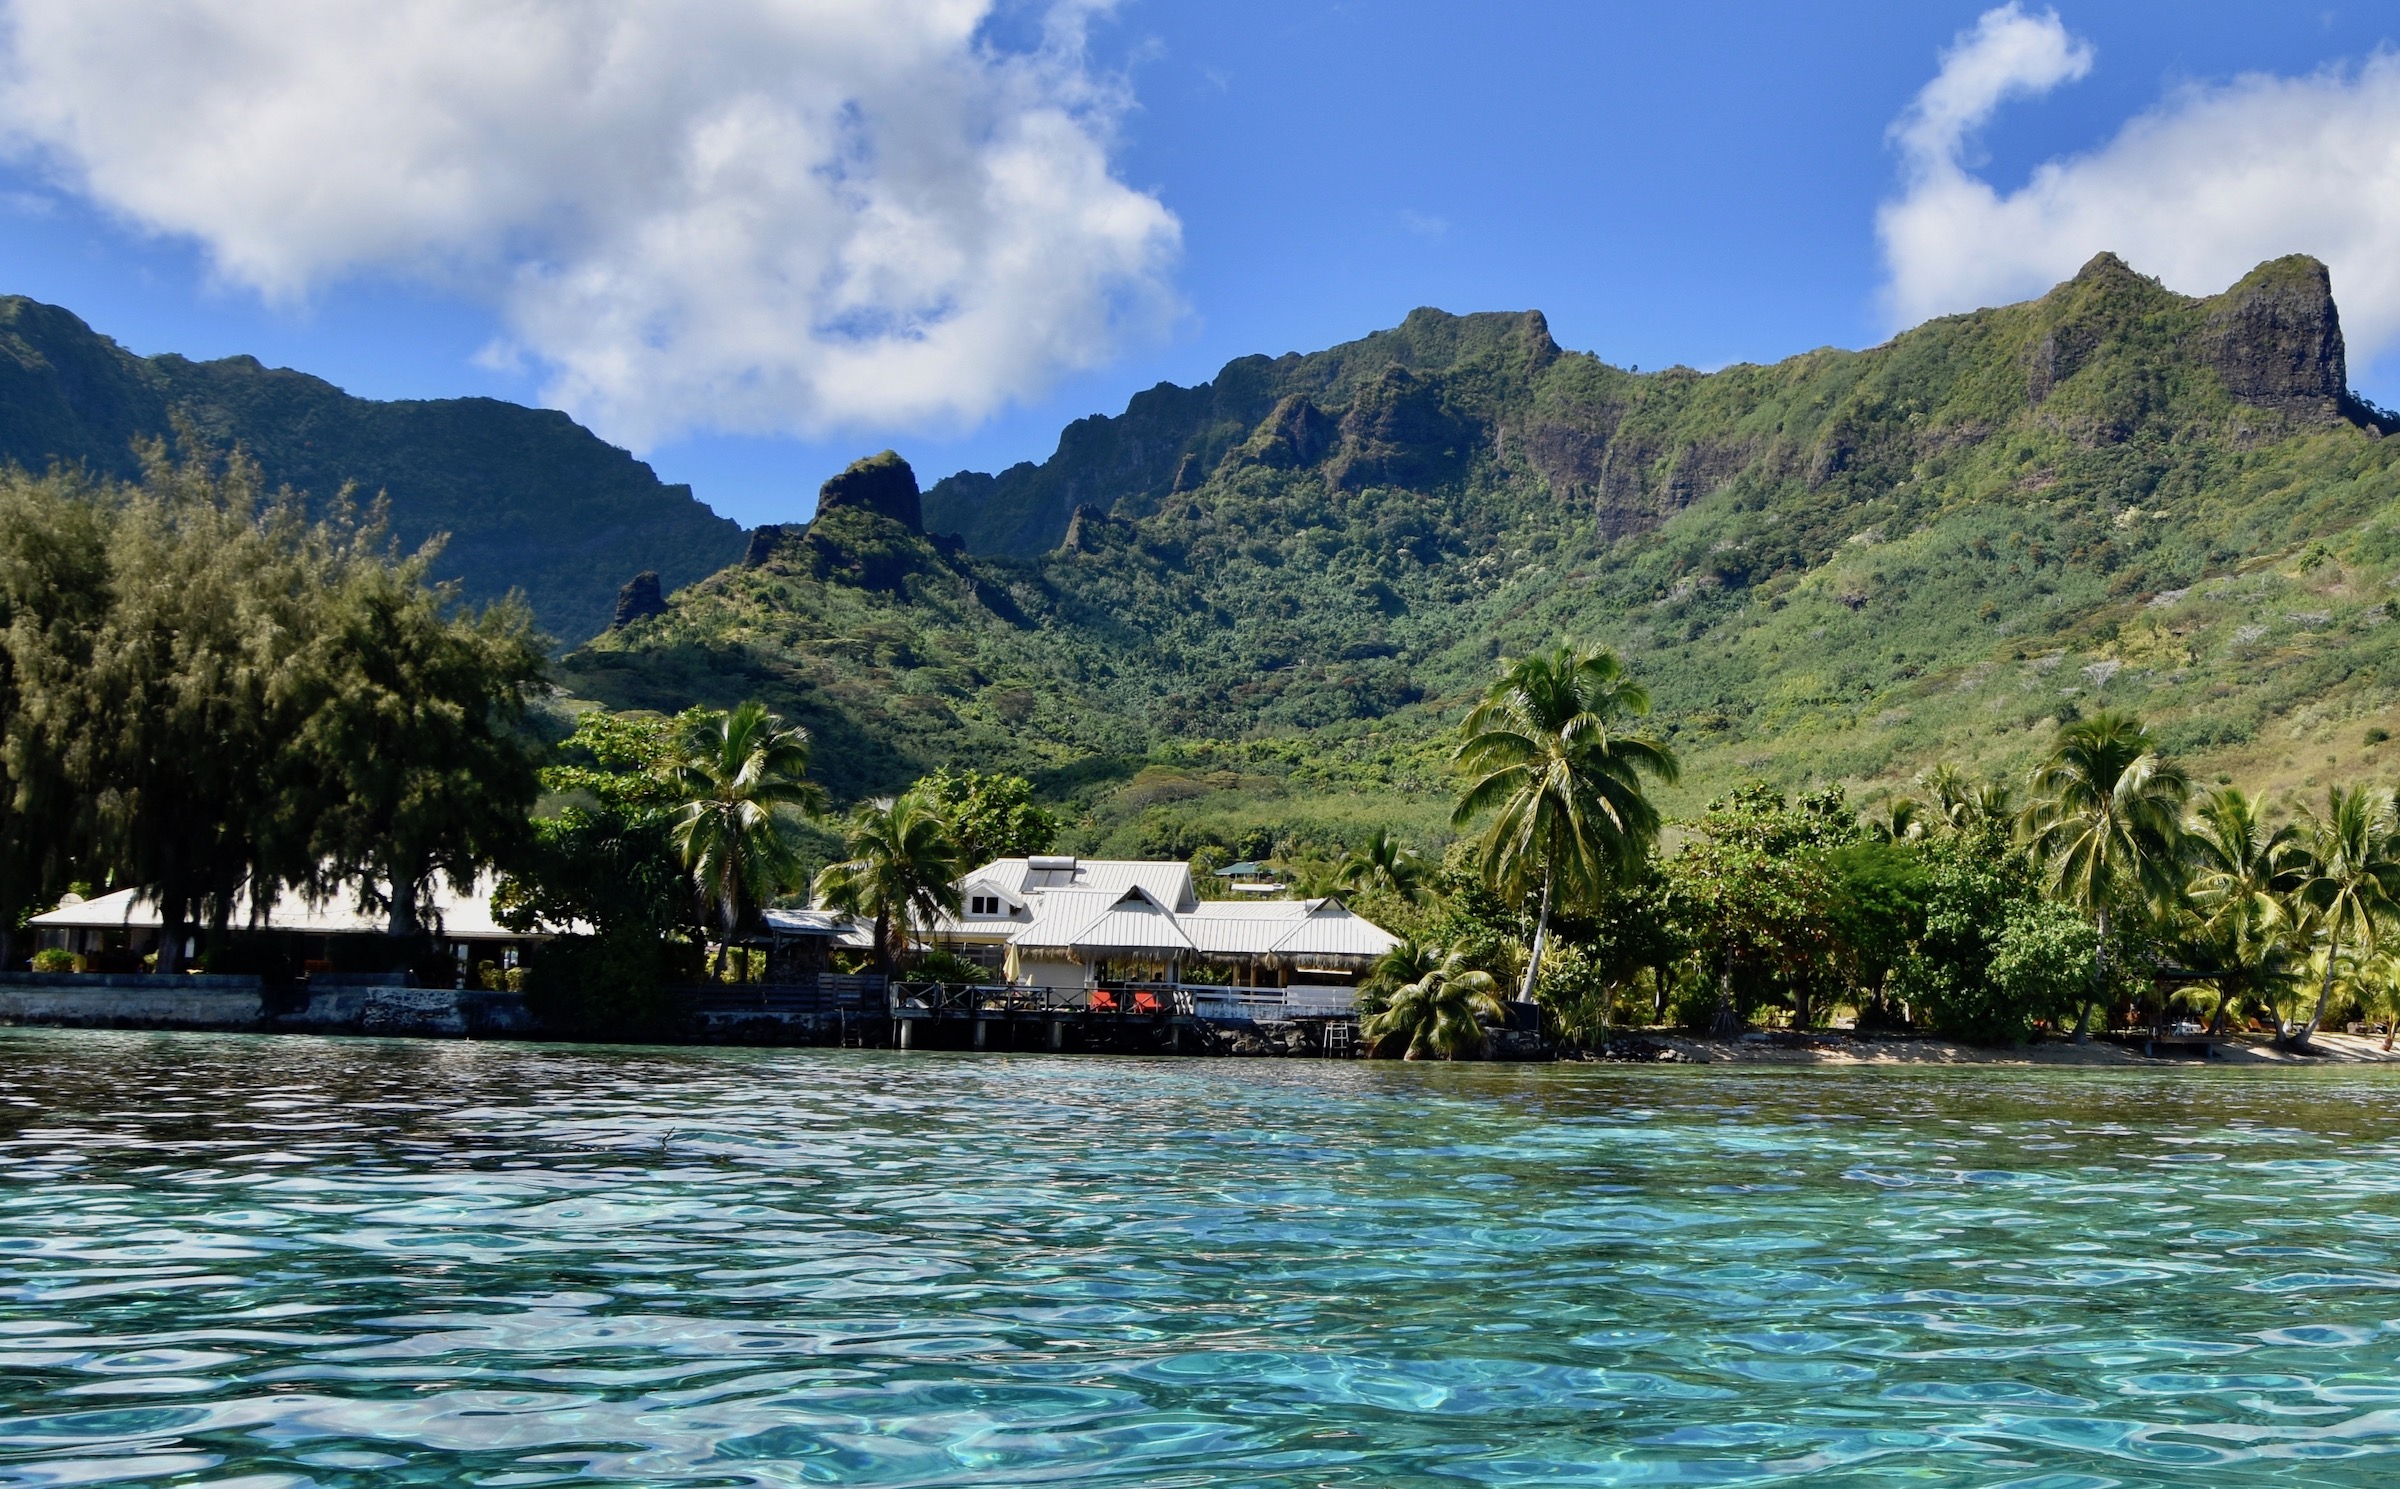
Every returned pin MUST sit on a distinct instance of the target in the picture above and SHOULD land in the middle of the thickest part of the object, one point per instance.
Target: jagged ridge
(1836, 566)
(531, 499)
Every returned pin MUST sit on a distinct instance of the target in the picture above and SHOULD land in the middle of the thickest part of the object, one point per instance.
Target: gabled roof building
(1060, 921)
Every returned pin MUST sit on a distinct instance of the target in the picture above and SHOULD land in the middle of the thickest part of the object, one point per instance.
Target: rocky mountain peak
(639, 599)
(2276, 338)
(883, 484)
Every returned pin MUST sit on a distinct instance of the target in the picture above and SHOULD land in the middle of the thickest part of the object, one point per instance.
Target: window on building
(983, 904)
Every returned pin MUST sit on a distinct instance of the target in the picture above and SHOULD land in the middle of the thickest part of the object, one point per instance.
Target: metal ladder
(1337, 1039)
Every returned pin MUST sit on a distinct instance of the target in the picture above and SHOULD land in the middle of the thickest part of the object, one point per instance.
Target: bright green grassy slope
(1841, 567)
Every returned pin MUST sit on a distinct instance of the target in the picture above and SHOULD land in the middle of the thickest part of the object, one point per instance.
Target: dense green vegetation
(2109, 892)
(1256, 608)
(204, 692)
(530, 500)
(1246, 620)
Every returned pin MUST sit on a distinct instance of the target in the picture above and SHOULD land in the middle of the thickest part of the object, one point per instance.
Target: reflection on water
(285, 1261)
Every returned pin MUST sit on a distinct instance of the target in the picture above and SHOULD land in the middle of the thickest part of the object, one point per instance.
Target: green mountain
(1265, 599)
(531, 500)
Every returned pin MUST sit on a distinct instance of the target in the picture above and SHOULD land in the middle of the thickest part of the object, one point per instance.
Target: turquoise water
(264, 1262)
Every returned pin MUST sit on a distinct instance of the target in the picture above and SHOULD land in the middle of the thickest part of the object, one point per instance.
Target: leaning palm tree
(734, 773)
(902, 870)
(1439, 1016)
(2104, 825)
(1542, 752)
(1408, 961)
(1384, 863)
(2243, 873)
(2351, 884)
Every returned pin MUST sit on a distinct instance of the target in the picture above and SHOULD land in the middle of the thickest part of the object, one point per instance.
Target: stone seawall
(145, 1001)
(131, 1001)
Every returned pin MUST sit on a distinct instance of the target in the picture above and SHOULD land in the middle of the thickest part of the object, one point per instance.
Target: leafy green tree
(601, 878)
(414, 752)
(202, 671)
(2244, 872)
(992, 816)
(1878, 898)
(1758, 923)
(2046, 958)
(902, 871)
(1439, 1016)
(1383, 864)
(735, 771)
(1972, 889)
(54, 584)
(624, 762)
(2351, 881)
(2105, 824)
(1544, 755)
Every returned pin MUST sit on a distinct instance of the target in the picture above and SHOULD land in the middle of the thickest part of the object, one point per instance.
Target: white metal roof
(1131, 922)
(1090, 923)
(1058, 916)
(1329, 929)
(461, 916)
(1285, 928)
(1025, 879)
(846, 931)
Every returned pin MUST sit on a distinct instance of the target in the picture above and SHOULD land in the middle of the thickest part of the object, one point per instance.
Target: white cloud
(2198, 190)
(748, 215)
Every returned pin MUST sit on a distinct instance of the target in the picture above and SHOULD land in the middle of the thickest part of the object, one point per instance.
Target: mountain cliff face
(1267, 597)
(1416, 405)
(531, 500)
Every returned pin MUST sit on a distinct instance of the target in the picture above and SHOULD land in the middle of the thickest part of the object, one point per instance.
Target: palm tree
(1950, 789)
(2243, 872)
(1408, 961)
(1900, 821)
(1440, 1015)
(1989, 805)
(734, 772)
(2351, 882)
(903, 869)
(1543, 754)
(2377, 979)
(1384, 863)
(2105, 824)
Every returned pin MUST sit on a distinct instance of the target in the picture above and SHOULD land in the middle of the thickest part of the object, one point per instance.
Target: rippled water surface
(288, 1261)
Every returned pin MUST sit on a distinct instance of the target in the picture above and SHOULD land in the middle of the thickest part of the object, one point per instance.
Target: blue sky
(1694, 183)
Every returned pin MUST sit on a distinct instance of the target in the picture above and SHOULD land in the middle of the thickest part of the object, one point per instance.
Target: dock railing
(1133, 999)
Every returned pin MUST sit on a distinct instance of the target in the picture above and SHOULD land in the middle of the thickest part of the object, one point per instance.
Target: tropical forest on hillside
(1256, 608)
(210, 692)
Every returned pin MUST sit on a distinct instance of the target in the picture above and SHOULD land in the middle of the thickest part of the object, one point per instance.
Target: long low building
(1065, 922)
(115, 931)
